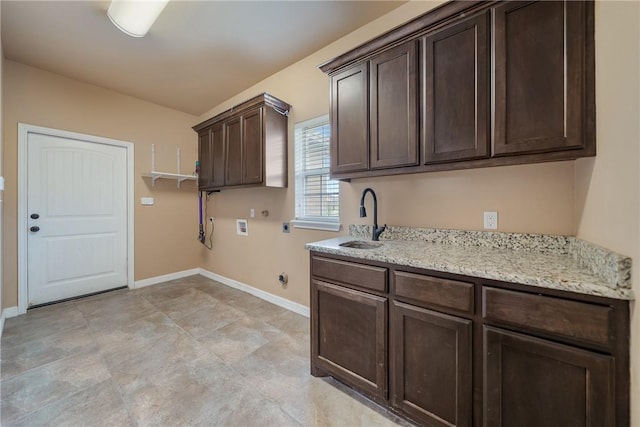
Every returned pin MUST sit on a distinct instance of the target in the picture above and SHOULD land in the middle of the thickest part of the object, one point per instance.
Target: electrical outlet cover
(491, 220)
(242, 227)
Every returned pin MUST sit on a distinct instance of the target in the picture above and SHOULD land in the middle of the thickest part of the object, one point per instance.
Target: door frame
(23, 133)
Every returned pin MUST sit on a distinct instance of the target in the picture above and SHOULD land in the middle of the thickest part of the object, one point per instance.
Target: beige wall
(607, 187)
(533, 198)
(595, 199)
(165, 234)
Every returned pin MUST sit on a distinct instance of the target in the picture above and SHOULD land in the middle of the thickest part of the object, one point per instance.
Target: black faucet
(377, 231)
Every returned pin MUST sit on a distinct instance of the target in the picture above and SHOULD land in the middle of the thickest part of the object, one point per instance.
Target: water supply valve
(283, 278)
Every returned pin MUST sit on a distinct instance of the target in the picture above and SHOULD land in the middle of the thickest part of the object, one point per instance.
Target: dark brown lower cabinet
(352, 341)
(443, 349)
(531, 382)
(431, 366)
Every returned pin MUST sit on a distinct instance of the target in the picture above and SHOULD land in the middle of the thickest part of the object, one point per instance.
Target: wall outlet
(252, 213)
(491, 220)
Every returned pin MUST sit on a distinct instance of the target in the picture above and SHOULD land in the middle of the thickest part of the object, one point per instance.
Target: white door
(76, 216)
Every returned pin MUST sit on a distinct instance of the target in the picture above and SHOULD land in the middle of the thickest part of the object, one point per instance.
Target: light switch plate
(146, 201)
(1, 183)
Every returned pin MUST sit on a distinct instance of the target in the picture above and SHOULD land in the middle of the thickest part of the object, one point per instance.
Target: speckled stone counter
(556, 262)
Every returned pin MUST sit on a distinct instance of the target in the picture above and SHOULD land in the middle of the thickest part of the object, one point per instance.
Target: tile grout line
(248, 382)
(244, 378)
(121, 394)
(53, 361)
(108, 367)
(56, 400)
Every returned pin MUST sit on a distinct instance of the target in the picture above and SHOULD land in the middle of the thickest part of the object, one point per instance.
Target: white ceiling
(197, 54)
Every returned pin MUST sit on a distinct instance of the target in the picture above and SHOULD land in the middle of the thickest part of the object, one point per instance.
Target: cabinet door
(349, 337)
(431, 366)
(252, 139)
(540, 64)
(233, 145)
(394, 109)
(455, 75)
(217, 155)
(350, 120)
(204, 158)
(531, 382)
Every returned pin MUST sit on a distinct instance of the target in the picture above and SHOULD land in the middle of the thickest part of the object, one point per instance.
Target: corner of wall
(1, 159)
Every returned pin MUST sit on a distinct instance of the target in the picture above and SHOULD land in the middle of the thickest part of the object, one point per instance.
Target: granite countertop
(555, 262)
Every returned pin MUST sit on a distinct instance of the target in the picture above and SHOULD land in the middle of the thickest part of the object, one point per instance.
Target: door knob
(35, 216)
(34, 229)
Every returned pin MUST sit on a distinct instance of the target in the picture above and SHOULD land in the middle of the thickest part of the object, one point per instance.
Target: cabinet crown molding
(263, 99)
(430, 20)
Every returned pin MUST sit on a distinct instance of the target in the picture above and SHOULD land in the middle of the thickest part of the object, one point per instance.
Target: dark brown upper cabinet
(244, 146)
(456, 91)
(233, 142)
(204, 158)
(541, 77)
(394, 107)
(252, 147)
(374, 114)
(211, 156)
(217, 155)
(494, 83)
(350, 120)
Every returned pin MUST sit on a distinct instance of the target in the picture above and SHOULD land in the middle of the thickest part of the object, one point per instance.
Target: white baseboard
(7, 313)
(10, 312)
(274, 299)
(165, 278)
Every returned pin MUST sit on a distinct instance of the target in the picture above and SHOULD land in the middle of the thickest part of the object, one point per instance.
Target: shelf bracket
(179, 177)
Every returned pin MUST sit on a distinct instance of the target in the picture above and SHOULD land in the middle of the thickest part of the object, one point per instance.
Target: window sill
(316, 225)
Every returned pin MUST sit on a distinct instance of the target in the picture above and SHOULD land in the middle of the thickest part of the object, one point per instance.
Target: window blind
(317, 196)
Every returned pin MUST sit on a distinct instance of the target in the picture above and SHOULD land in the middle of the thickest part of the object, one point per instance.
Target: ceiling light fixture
(135, 17)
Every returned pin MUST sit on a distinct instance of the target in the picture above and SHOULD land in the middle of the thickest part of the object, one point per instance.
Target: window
(317, 196)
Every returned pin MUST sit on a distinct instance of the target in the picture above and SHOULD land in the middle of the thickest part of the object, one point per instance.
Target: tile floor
(186, 352)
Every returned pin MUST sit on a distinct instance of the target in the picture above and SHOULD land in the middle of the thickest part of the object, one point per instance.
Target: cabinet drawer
(434, 291)
(577, 321)
(362, 276)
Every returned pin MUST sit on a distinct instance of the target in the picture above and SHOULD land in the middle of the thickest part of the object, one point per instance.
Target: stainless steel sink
(361, 244)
